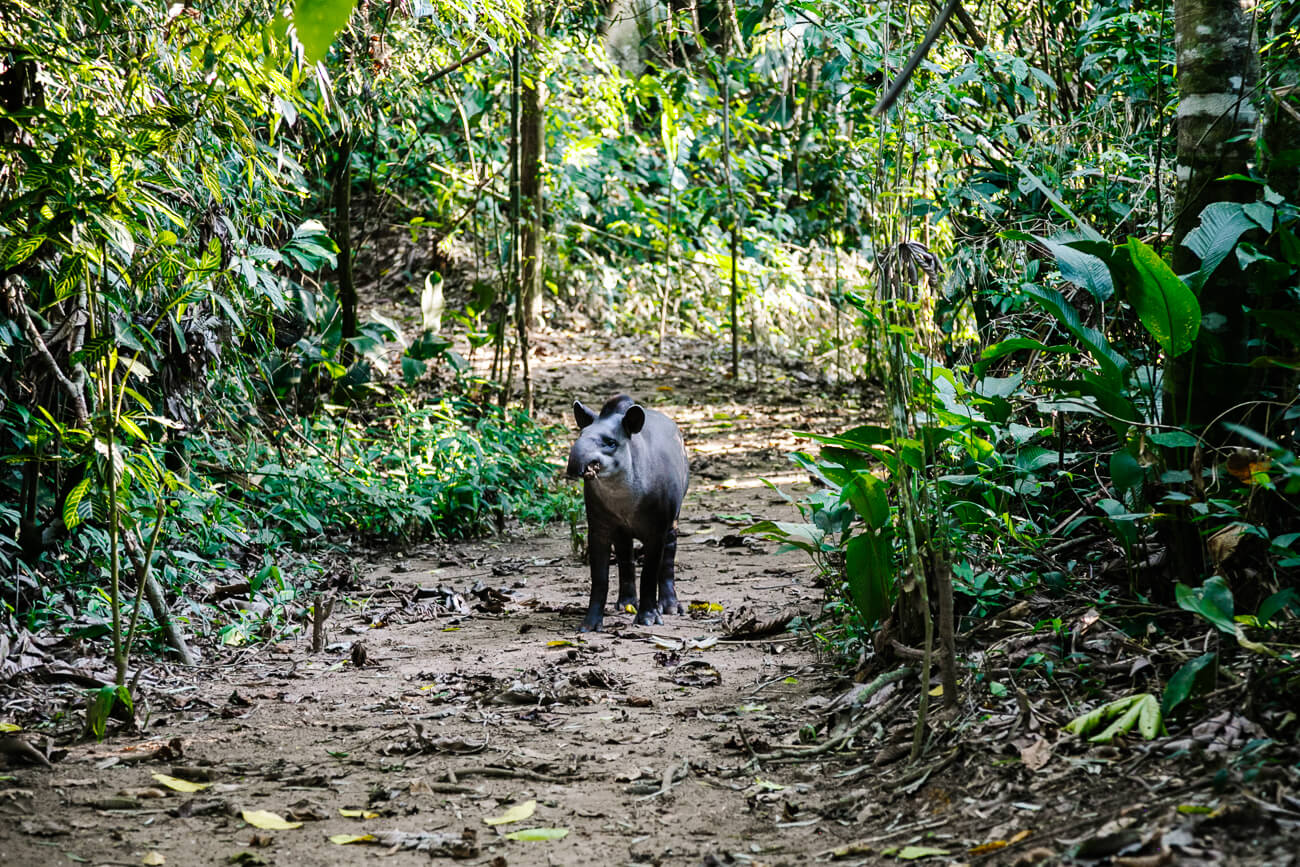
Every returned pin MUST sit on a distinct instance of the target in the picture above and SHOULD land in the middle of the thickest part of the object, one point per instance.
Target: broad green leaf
(1212, 600)
(318, 22)
(1222, 225)
(1125, 471)
(1114, 365)
(517, 813)
(868, 562)
(1082, 269)
(1166, 307)
(268, 821)
(71, 506)
(538, 834)
(1194, 677)
(1174, 439)
(870, 499)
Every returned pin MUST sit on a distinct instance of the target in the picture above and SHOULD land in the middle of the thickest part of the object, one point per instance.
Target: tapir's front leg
(626, 569)
(668, 603)
(647, 612)
(599, 540)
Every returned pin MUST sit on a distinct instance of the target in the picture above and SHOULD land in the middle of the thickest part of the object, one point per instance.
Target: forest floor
(674, 745)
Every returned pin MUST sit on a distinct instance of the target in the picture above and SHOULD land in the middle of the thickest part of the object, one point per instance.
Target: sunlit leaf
(318, 22)
(1166, 307)
(268, 821)
(538, 834)
(517, 813)
(178, 785)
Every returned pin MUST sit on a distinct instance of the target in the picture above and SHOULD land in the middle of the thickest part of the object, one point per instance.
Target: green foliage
(317, 22)
(1141, 712)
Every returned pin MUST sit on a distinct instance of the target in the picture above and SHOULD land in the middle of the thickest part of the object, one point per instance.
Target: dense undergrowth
(1086, 398)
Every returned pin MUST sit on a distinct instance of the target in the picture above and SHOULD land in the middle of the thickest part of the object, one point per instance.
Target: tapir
(633, 465)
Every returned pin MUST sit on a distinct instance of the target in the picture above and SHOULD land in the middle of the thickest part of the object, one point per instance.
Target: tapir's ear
(582, 415)
(634, 419)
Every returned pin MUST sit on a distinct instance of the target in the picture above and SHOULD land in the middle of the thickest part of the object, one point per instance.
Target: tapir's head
(603, 446)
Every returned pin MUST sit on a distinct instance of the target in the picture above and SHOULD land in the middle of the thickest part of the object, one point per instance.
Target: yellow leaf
(178, 785)
(663, 388)
(560, 642)
(938, 690)
(345, 839)
(629, 608)
(704, 607)
(1018, 836)
(991, 846)
(10, 727)
(268, 821)
(358, 814)
(538, 834)
(153, 859)
(517, 813)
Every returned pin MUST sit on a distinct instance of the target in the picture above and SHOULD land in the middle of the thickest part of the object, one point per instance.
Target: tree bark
(532, 156)
(347, 287)
(1218, 68)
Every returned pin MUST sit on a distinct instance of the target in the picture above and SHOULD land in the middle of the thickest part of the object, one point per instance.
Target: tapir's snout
(581, 464)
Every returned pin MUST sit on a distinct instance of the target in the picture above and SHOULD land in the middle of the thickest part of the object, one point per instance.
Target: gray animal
(633, 465)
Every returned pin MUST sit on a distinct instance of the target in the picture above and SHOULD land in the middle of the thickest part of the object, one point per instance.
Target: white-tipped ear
(634, 419)
(582, 415)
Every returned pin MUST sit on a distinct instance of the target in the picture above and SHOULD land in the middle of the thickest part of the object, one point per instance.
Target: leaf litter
(477, 692)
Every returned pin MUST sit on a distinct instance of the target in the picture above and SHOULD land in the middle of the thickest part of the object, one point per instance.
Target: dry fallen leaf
(268, 821)
(345, 839)
(517, 813)
(178, 785)
(358, 814)
(1037, 754)
(153, 859)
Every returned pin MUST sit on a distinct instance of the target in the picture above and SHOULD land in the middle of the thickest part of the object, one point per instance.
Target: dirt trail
(479, 694)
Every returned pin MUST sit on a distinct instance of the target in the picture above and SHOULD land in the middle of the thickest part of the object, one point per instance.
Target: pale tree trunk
(532, 155)
(1218, 67)
(1218, 70)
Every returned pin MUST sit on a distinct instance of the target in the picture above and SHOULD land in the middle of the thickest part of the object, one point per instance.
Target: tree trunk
(532, 156)
(1217, 72)
(347, 287)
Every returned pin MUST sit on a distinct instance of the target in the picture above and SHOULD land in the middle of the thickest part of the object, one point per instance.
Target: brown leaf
(1036, 754)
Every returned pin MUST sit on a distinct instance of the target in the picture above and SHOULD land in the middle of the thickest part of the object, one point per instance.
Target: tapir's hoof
(649, 617)
(671, 606)
(590, 626)
(628, 605)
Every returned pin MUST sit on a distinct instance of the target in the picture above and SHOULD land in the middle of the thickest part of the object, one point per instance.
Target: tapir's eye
(608, 442)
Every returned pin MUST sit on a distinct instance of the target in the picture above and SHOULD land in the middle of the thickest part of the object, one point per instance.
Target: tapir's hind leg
(668, 603)
(626, 570)
(647, 610)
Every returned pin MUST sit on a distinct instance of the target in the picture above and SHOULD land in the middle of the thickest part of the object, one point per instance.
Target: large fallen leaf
(268, 821)
(358, 814)
(9, 727)
(345, 839)
(1140, 711)
(176, 784)
(538, 834)
(153, 859)
(517, 813)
